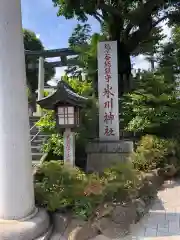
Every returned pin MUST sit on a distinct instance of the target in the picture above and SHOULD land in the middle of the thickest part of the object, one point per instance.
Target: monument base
(34, 227)
(101, 154)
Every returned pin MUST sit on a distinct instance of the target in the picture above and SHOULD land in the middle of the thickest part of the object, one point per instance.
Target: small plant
(92, 196)
(53, 144)
(47, 123)
(56, 185)
(121, 182)
(153, 152)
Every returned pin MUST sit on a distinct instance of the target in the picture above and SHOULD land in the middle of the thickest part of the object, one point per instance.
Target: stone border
(47, 235)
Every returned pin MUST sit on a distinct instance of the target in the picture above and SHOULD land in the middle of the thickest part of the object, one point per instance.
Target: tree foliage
(153, 106)
(130, 23)
(31, 42)
(169, 58)
(153, 152)
(85, 44)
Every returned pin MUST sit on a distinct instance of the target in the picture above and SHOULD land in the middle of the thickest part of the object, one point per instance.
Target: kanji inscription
(108, 91)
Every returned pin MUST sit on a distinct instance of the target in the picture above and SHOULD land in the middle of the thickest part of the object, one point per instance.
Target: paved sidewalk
(163, 220)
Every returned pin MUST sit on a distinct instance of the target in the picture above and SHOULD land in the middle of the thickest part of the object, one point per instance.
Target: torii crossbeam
(42, 54)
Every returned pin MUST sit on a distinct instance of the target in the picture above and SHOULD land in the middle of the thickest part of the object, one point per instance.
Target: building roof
(63, 95)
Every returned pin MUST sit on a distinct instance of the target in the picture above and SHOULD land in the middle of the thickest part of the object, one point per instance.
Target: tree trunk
(124, 68)
(95, 85)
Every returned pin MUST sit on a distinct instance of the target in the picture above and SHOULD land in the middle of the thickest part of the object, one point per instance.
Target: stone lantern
(66, 104)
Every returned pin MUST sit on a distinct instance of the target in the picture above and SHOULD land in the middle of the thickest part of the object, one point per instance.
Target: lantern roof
(64, 94)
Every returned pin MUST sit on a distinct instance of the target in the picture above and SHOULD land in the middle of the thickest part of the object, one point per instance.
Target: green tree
(31, 42)
(169, 59)
(85, 44)
(153, 107)
(79, 42)
(130, 23)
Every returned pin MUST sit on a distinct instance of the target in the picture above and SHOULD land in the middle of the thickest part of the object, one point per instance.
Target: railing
(34, 125)
(32, 139)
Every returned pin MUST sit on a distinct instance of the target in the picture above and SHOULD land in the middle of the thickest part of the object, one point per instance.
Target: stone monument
(109, 148)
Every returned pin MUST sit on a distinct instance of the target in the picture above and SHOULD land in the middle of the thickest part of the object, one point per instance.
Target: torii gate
(62, 53)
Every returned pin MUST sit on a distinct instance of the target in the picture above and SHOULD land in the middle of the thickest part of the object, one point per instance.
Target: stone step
(34, 118)
(35, 163)
(57, 236)
(41, 133)
(37, 142)
(33, 121)
(39, 137)
(34, 131)
(31, 124)
(102, 237)
(36, 156)
(36, 149)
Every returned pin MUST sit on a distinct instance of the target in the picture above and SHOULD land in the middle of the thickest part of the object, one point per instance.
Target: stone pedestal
(36, 226)
(69, 147)
(101, 155)
(18, 216)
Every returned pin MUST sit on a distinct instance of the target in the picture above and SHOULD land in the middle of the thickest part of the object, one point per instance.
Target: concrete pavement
(163, 220)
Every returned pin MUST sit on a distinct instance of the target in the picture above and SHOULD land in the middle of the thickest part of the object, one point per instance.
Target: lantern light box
(68, 116)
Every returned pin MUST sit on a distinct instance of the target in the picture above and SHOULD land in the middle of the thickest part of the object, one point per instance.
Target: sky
(40, 16)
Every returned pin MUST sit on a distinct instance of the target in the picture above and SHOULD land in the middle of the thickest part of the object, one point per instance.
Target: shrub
(54, 145)
(61, 187)
(153, 152)
(121, 182)
(56, 185)
(47, 122)
(86, 203)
